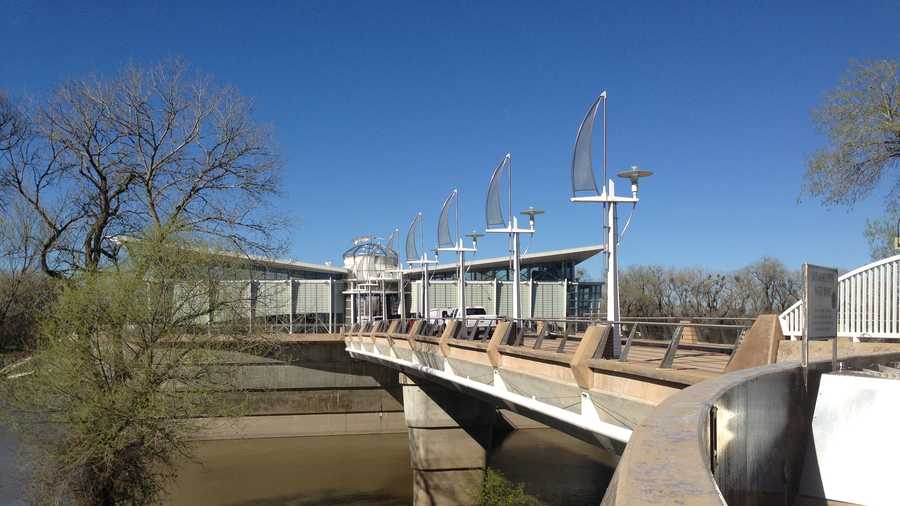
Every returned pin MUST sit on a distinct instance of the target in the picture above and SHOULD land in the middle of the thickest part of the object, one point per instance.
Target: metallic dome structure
(371, 257)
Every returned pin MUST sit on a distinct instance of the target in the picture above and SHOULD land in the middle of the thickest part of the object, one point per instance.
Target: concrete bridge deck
(453, 387)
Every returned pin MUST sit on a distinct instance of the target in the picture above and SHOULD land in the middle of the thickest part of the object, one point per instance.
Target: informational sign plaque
(820, 301)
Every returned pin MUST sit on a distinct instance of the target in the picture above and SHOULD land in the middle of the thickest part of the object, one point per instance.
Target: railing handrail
(866, 267)
(867, 303)
(484, 328)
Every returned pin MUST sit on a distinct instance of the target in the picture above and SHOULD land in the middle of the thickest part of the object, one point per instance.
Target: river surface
(363, 470)
(374, 470)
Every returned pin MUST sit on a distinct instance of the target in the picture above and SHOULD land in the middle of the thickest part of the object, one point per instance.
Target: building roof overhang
(575, 255)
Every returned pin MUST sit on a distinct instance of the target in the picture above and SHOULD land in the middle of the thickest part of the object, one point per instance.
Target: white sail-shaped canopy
(445, 236)
(582, 162)
(389, 243)
(493, 208)
(412, 252)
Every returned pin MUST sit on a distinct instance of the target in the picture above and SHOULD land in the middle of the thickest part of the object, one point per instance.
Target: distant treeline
(765, 286)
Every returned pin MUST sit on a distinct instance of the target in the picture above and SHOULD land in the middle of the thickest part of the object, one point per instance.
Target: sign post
(819, 312)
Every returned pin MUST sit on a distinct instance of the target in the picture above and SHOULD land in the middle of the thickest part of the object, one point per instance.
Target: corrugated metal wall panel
(415, 299)
(233, 300)
(191, 299)
(505, 296)
(549, 300)
(273, 298)
(442, 294)
(480, 294)
(311, 297)
(337, 292)
(525, 299)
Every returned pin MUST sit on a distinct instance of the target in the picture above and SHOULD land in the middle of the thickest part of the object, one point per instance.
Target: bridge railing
(704, 335)
(868, 303)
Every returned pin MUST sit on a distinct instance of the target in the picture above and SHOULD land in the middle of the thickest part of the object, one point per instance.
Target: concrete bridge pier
(450, 437)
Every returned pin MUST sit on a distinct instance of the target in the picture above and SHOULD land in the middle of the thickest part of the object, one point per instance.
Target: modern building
(297, 296)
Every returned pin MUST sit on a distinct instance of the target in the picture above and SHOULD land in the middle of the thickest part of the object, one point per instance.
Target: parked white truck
(475, 315)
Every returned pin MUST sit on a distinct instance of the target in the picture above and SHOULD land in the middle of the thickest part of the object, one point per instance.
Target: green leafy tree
(861, 119)
(123, 368)
(168, 163)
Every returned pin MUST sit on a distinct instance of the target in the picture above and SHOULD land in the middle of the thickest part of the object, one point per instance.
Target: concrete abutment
(450, 438)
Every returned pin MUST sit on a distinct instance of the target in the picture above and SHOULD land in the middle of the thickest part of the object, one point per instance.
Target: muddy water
(11, 488)
(374, 470)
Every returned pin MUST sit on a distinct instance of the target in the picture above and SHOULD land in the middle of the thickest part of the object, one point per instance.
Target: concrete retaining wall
(309, 387)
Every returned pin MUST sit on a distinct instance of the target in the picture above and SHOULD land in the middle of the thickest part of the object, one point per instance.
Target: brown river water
(374, 470)
(350, 470)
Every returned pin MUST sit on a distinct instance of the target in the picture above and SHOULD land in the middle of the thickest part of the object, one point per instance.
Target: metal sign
(820, 301)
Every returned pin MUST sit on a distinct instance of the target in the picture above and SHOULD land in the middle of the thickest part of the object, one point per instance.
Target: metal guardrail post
(627, 348)
(543, 329)
(669, 357)
(565, 338)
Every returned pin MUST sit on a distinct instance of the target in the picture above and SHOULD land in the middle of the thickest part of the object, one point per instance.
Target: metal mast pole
(461, 278)
(426, 308)
(352, 303)
(612, 272)
(609, 200)
(384, 305)
(402, 293)
(603, 169)
(517, 310)
(608, 223)
(513, 231)
(461, 283)
(368, 302)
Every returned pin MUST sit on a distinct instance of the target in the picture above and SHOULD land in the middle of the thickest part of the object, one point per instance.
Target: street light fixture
(446, 242)
(401, 292)
(583, 181)
(495, 220)
(413, 258)
(634, 174)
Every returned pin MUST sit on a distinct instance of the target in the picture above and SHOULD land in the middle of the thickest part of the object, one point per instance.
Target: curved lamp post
(496, 224)
(583, 181)
(446, 242)
(413, 258)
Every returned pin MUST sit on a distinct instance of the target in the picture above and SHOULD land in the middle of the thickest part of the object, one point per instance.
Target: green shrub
(497, 490)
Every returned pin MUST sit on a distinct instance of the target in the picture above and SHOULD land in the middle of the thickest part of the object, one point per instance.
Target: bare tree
(771, 285)
(764, 286)
(11, 132)
(861, 118)
(159, 147)
(24, 292)
(11, 124)
(881, 232)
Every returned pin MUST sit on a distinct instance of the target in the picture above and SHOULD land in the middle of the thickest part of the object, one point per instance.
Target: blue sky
(380, 108)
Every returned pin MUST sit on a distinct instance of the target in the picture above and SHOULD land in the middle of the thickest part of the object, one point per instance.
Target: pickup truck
(475, 315)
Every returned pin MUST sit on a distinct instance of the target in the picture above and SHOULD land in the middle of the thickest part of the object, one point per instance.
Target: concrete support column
(450, 435)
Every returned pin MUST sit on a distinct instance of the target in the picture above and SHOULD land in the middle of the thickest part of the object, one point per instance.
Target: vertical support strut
(612, 273)
(669, 357)
(517, 309)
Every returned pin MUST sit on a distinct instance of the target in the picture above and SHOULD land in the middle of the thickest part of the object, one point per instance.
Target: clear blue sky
(380, 108)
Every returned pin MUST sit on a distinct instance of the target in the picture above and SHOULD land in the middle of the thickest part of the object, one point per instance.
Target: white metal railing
(868, 303)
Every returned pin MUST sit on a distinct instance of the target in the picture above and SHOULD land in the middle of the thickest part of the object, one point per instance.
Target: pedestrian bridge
(559, 373)
(868, 303)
